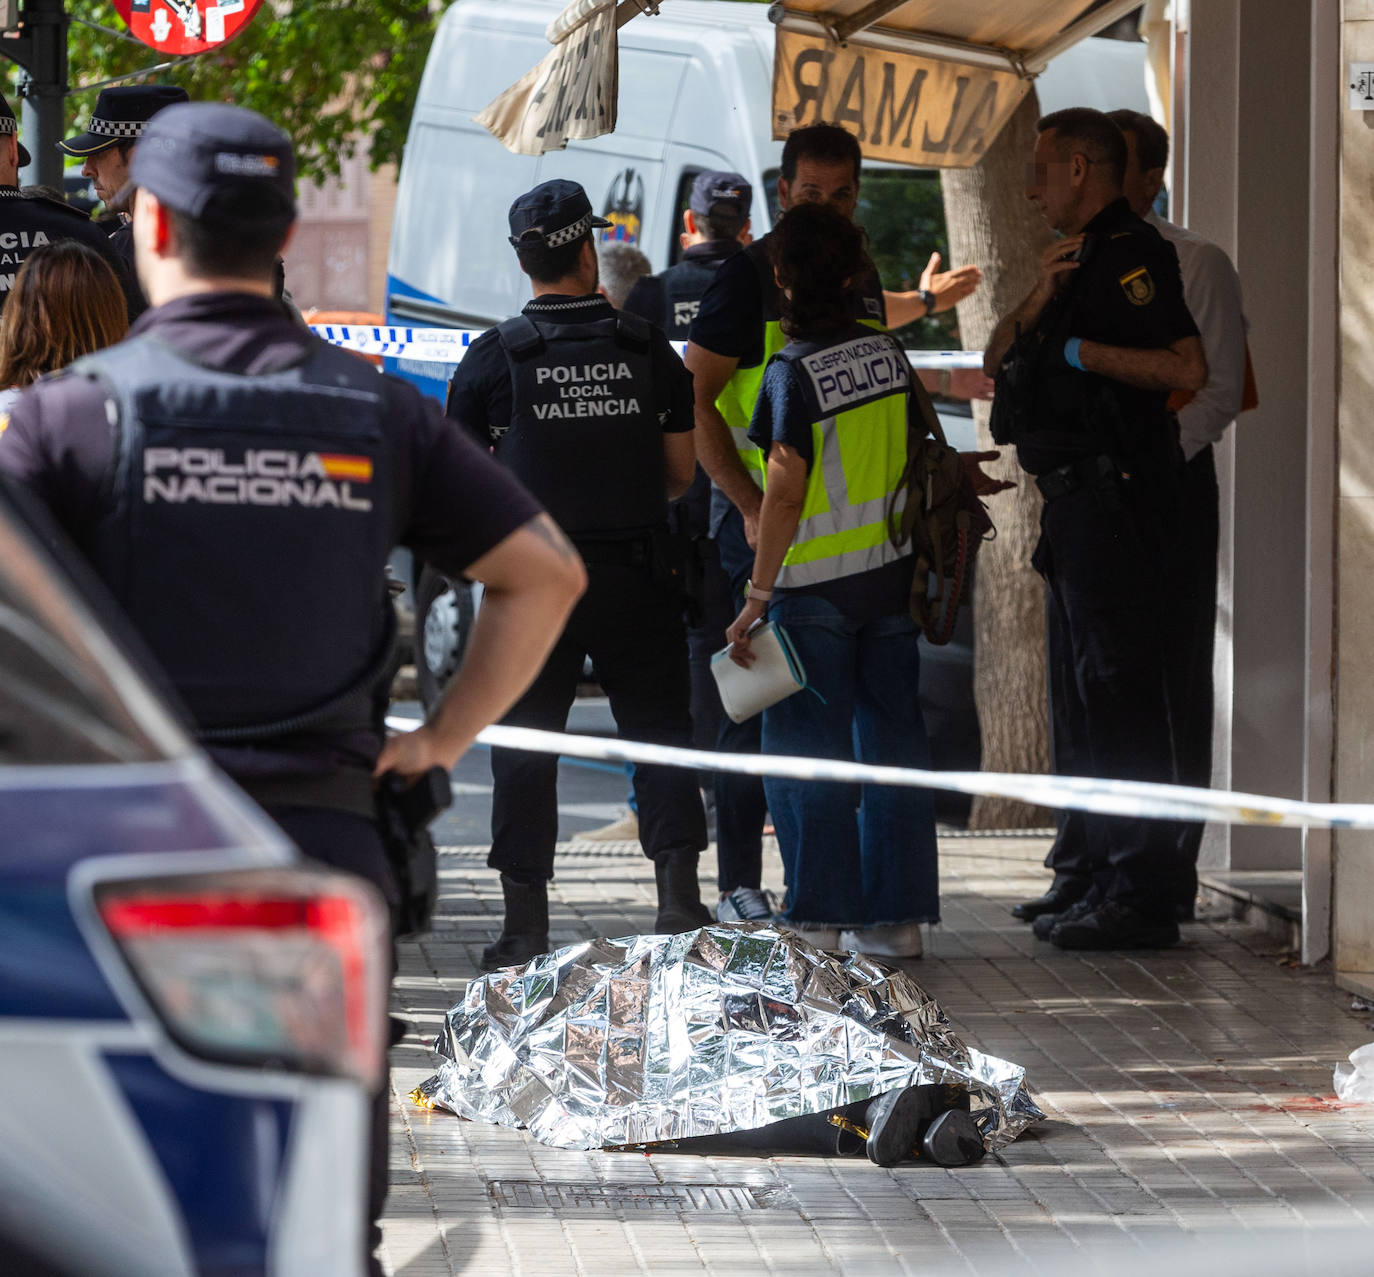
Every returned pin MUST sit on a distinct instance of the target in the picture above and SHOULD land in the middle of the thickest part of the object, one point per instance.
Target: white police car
(190, 1019)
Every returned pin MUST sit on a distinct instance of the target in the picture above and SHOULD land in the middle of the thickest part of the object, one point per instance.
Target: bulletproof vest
(584, 435)
(250, 526)
(1072, 413)
(683, 288)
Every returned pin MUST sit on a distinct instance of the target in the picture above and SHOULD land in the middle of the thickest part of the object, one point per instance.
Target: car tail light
(281, 967)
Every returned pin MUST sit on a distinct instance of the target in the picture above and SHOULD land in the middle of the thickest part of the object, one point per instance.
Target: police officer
(715, 225)
(715, 228)
(736, 331)
(1105, 336)
(105, 145)
(592, 410)
(238, 485)
(29, 221)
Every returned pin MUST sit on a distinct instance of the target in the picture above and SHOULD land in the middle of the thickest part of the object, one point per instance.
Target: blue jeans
(854, 855)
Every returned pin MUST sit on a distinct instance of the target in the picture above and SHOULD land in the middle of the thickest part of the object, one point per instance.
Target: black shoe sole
(953, 1140)
(1066, 937)
(895, 1122)
(671, 922)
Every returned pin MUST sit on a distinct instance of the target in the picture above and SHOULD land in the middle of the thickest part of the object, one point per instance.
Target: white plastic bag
(1355, 1081)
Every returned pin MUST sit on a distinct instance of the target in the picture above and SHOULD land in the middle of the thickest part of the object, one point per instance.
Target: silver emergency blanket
(726, 1028)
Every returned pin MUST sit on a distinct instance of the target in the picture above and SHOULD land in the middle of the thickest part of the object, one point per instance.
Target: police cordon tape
(448, 345)
(1076, 793)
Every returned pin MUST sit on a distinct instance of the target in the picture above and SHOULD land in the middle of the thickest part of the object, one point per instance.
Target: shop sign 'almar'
(901, 107)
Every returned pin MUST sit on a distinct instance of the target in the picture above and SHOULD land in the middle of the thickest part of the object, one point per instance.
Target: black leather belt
(1068, 478)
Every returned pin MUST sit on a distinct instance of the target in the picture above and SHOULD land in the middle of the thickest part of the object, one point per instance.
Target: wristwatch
(929, 298)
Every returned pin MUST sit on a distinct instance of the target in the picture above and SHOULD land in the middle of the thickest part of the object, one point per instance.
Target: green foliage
(335, 74)
(903, 213)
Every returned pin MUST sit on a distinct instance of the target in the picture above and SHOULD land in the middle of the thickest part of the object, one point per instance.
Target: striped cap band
(115, 128)
(570, 233)
(8, 124)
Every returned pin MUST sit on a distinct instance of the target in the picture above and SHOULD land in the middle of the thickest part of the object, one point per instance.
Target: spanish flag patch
(339, 465)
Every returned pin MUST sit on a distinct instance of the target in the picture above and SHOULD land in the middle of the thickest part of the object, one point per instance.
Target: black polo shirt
(1127, 292)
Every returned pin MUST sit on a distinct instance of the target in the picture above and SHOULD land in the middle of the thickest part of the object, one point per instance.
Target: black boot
(525, 934)
(679, 894)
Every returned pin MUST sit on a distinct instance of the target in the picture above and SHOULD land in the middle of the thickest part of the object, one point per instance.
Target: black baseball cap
(8, 124)
(556, 212)
(194, 154)
(717, 187)
(120, 115)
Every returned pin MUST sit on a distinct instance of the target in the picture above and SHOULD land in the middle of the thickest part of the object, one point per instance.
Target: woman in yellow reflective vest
(831, 418)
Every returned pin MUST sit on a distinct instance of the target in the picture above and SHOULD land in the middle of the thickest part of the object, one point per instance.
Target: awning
(925, 82)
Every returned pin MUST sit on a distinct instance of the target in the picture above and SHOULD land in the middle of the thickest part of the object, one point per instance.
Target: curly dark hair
(816, 254)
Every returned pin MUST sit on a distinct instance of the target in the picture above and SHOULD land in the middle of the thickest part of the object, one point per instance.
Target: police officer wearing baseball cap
(715, 225)
(244, 504)
(592, 410)
(30, 221)
(106, 144)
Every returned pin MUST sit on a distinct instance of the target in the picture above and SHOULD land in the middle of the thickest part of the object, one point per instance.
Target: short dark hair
(1151, 138)
(547, 265)
(1092, 133)
(236, 238)
(724, 221)
(816, 253)
(826, 143)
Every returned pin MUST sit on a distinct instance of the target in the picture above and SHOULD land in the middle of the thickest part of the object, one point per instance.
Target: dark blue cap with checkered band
(556, 212)
(8, 124)
(120, 115)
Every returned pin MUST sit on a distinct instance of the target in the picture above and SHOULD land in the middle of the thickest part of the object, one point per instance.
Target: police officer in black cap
(715, 225)
(117, 122)
(1085, 366)
(592, 410)
(30, 221)
(239, 484)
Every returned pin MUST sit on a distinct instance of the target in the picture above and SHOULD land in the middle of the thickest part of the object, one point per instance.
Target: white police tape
(1076, 793)
(449, 345)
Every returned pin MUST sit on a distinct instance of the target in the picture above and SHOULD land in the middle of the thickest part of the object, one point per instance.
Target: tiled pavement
(1192, 1124)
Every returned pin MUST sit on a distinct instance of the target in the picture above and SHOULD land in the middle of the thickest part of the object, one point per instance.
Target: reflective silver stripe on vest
(835, 566)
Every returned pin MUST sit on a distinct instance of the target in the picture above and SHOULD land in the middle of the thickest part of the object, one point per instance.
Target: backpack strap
(519, 337)
(633, 331)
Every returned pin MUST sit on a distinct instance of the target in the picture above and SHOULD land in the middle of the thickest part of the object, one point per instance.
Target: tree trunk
(993, 225)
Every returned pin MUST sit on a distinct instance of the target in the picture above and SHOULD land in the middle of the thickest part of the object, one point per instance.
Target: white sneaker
(816, 933)
(901, 940)
(626, 829)
(745, 904)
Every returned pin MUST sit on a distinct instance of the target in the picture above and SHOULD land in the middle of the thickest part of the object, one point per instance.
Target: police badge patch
(1139, 287)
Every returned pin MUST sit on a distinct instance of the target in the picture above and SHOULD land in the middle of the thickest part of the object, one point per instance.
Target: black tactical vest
(584, 434)
(684, 285)
(250, 528)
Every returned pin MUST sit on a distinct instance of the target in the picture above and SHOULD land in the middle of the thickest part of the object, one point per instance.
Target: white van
(695, 86)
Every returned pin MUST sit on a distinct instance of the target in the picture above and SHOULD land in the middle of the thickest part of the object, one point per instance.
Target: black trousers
(741, 808)
(351, 843)
(631, 627)
(1193, 616)
(1105, 552)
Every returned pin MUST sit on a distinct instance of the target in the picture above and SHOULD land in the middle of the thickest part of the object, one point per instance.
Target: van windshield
(904, 214)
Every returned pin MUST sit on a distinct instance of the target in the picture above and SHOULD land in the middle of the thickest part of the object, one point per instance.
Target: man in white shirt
(1212, 291)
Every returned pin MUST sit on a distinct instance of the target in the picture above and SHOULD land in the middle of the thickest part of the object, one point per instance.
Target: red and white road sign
(186, 26)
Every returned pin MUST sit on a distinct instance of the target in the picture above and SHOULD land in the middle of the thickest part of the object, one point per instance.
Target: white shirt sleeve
(1211, 288)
